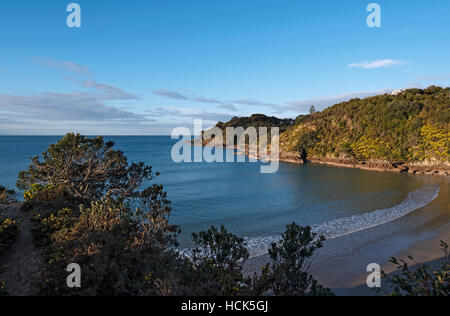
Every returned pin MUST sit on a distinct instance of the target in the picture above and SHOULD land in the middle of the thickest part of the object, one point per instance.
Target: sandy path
(22, 262)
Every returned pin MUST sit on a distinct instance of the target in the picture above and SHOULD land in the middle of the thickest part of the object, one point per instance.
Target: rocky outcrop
(438, 169)
(374, 165)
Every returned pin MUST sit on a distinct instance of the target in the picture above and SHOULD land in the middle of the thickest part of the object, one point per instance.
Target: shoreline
(415, 168)
(341, 265)
(373, 165)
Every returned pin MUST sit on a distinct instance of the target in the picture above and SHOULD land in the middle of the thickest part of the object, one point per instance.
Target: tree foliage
(123, 240)
(116, 246)
(88, 168)
(256, 120)
(422, 281)
(217, 261)
(6, 195)
(3, 291)
(289, 274)
(412, 126)
(9, 232)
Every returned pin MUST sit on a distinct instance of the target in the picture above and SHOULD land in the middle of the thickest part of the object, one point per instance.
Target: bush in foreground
(423, 281)
(86, 168)
(91, 212)
(217, 262)
(289, 273)
(6, 195)
(116, 247)
(9, 231)
(3, 291)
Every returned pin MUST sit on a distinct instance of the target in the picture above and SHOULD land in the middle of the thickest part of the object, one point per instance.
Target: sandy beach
(341, 265)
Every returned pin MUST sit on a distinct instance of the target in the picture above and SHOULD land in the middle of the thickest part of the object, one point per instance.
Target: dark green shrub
(217, 260)
(88, 168)
(423, 281)
(3, 291)
(288, 274)
(117, 247)
(123, 240)
(9, 232)
(6, 195)
(49, 198)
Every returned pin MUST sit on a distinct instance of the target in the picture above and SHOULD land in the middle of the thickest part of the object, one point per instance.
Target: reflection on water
(236, 195)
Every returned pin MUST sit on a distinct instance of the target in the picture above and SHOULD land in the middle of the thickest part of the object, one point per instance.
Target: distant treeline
(257, 120)
(412, 126)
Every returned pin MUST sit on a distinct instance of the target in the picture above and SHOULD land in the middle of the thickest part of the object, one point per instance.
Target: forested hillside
(411, 126)
(257, 120)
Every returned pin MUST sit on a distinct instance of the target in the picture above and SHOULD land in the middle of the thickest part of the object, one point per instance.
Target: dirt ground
(19, 267)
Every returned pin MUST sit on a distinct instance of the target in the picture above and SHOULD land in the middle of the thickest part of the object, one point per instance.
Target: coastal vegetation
(291, 258)
(413, 126)
(9, 229)
(93, 208)
(6, 195)
(422, 281)
(410, 127)
(239, 125)
(9, 232)
(257, 120)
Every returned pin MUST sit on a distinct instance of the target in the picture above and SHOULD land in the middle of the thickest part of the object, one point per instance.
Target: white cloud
(58, 113)
(115, 92)
(86, 112)
(376, 64)
(62, 106)
(173, 113)
(224, 104)
(434, 78)
(64, 65)
(302, 106)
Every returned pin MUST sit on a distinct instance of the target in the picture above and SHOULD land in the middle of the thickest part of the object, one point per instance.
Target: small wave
(344, 226)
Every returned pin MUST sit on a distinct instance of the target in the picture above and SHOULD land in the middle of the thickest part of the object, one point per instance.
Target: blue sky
(143, 67)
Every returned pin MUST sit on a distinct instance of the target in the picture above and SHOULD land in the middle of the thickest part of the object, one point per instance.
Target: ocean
(335, 201)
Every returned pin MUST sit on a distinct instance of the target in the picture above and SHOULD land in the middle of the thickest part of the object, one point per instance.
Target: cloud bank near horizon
(383, 63)
(104, 109)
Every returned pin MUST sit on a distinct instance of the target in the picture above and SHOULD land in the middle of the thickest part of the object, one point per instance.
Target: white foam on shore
(259, 246)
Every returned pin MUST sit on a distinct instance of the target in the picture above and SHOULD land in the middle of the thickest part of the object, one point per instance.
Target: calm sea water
(253, 205)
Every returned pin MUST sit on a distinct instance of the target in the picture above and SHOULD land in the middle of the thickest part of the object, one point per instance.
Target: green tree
(124, 242)
(9, 232)
(409, 127)
(217, 260)
(289, 273)
(116, 245)
(422, 281)
(6, 195)
(88, 168)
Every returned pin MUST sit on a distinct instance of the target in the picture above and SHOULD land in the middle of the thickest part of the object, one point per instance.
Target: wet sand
(341, 265)
(347, 275)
